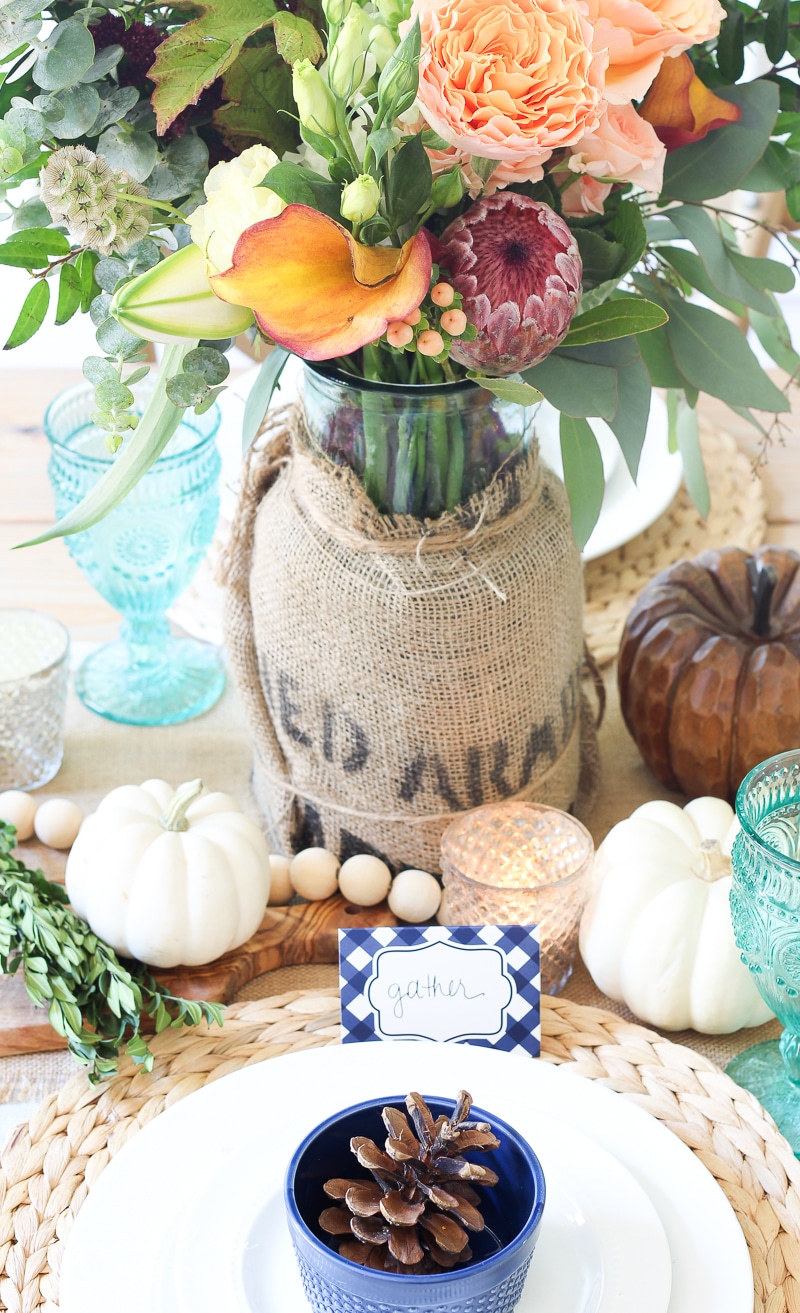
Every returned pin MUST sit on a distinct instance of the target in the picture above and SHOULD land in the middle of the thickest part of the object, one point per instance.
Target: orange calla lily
(317, 291)
(681, 108)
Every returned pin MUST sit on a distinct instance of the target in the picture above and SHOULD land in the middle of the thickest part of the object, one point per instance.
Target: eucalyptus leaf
(66, 53)
(104, 61)
(99, 370)
(108, 272)
(773, 333)
(208, 362)
(81, 107)
(634, 392)
(508, 389)
(721, 161)
(17, 31)
(614, 319)
(114, 105)
(683, 421)
(127, 148)
(769, 274)
(583, 475)
(575, 387)
(713, 355)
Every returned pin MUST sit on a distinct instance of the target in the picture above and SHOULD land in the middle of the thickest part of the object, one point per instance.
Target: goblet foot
(761, 1070)
(179, 681)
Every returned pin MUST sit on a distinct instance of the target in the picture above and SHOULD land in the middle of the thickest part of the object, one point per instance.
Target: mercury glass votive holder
(519, 863)
(34, 669)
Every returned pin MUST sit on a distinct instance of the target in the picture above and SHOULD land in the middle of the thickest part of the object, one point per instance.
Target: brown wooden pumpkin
(709, 668)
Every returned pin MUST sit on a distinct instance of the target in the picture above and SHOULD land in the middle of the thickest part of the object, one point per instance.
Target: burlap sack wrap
(396, 673)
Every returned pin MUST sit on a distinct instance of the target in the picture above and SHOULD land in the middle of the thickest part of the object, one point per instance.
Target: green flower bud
(347, 60)
(360, 199)
(336, 11)
(448, 189)
(393, 11)
(382, 44)
(315, 104)
(397, 88)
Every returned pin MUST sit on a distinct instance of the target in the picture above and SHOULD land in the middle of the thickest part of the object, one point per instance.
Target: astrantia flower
(517, 266)
(95, 201)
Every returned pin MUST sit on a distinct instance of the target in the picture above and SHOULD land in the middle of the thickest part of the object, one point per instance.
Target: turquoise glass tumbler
(140, 558)
(765, 908)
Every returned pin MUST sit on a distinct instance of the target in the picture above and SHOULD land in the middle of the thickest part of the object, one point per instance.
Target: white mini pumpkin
(657, 934)
(167, 876)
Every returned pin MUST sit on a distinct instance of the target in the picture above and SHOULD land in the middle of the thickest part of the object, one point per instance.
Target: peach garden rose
(623, 147)
(510, 81)
(639, 34)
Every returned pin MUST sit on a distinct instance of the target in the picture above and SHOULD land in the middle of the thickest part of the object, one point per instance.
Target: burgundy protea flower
(517, 265)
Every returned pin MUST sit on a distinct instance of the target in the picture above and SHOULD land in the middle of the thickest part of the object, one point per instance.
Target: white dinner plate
(601, 1249)
(141, 1198)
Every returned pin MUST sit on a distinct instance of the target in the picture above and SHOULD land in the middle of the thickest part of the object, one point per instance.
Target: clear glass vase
(418, 449)
(140, 558)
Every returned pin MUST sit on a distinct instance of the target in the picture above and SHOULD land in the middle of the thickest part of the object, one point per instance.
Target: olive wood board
(297, 935)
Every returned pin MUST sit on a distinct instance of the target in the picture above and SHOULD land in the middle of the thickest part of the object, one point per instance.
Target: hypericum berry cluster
(430, 328)
(98, 204)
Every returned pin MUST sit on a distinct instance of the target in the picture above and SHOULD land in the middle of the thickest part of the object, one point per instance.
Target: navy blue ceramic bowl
(491, 1283)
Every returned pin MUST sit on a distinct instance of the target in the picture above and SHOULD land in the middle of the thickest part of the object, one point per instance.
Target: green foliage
(686, 436)
(722, 160)
(296, 38)
(31, 316)
(614, 319)
(260, 394)
(583, 475)
(95, 1001)
(409, 183)
(298, 185)
(508, 389)
(195, 55)
(259, 105)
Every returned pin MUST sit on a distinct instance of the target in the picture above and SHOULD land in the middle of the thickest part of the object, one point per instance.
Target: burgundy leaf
(401, 1212)
(445, 1231)
(364, 1198)
(404, 1244)
(336, 1221)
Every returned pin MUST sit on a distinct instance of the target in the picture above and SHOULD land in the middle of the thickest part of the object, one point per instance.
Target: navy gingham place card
(467, 984)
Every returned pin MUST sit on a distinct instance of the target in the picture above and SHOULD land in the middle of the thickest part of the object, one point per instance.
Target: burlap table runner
(100, 755)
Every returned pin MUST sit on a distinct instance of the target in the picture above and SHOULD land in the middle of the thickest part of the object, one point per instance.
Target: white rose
(235, 201)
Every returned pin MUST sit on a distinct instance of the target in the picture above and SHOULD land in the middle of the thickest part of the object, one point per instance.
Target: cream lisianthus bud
(336, 11)
(348, 59)
(382, 44)
(236, 200)
(315, 104)
(360, 199)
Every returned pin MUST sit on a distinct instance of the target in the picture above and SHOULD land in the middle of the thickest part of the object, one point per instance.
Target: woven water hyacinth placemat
(737, 517)
(50, 1163)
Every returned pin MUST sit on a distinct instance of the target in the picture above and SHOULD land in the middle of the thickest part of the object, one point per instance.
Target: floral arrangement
(518, 192)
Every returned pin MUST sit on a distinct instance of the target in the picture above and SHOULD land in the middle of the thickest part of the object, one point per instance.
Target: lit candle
(518, 863)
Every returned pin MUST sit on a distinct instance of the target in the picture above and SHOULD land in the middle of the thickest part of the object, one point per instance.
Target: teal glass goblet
(139, 558)
(765, 907)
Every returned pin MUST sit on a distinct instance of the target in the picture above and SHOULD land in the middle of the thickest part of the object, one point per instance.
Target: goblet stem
(146, 639)
(789, 1045)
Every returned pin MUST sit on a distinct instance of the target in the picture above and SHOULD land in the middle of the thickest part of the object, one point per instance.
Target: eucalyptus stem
(376, 455)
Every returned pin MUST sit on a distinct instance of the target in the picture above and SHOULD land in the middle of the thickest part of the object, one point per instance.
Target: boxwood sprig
(96, 1001)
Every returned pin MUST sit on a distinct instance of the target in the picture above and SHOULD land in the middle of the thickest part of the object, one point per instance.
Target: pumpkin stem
(763, 580)
(712, 864)
(174, 817)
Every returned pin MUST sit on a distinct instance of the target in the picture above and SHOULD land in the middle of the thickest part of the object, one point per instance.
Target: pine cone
(414, 1216)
